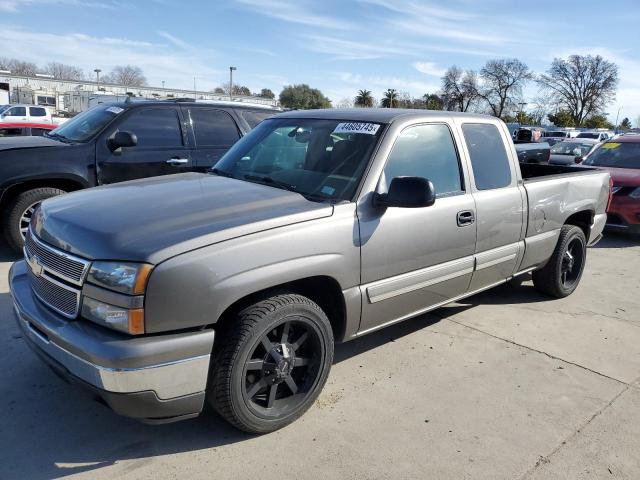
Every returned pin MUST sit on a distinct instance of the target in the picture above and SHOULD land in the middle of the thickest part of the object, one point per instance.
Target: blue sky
(337, 46)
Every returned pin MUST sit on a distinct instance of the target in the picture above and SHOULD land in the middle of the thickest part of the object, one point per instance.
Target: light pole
(163, 84)
(97, 70)
(231, 69)
(522, 104)
(617, 115)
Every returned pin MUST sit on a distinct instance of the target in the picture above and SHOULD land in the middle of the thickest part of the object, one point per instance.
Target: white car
(25, 113)
(599, 136)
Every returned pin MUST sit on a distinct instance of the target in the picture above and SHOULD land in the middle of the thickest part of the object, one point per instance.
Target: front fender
(195, 288)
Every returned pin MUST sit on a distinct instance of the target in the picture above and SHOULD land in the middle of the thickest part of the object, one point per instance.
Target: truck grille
(56, 277)
(68, 267)
(64, 300)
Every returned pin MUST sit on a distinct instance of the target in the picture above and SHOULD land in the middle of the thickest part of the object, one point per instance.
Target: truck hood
(153, 219)
(15, 143)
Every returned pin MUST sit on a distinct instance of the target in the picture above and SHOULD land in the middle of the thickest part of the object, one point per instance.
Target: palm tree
(390, 98)
(363, 99)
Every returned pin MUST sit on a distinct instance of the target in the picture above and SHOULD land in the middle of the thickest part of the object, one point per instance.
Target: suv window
(253, 117)
(488, 156)
(426, 151)
(154, 127)
(16, 112)
(213, 127)
(37, 112)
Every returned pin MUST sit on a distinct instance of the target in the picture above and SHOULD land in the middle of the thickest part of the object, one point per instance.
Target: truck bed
(532, 171)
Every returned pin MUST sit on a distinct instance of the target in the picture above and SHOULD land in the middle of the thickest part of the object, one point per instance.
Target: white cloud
(429, 68)
(383, 82)
(16, 5)
(160, 62)
(296, 12)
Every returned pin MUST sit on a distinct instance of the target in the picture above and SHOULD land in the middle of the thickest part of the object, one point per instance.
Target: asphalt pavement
(508, 384)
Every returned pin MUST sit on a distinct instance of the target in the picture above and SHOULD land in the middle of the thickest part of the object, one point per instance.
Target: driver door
(161, 147)
(416, 258)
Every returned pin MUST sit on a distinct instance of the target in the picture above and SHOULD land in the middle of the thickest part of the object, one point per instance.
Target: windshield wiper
(221, 173)
(59, 137)
(270, 181)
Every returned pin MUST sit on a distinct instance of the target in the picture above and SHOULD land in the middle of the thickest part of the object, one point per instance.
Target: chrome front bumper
(170, 366)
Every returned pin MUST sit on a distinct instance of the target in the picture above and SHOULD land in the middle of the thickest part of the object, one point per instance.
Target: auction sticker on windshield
(115, 110)
(357, 127)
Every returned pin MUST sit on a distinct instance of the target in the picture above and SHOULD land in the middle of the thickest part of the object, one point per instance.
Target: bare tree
(127, 75)
(502, 83)
(459, 89)
(64, 72)
(18, 67)
(583, 85)
(237, 89)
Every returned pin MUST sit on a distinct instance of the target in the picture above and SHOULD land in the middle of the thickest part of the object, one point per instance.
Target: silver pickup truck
(317, 227)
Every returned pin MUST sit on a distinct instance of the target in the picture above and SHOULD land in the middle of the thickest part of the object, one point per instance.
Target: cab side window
(426, 151)
(154, 127)
(489, 159)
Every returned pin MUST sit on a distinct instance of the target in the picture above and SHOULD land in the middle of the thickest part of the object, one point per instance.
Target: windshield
(3, 108)
(588, 135)
(84, 126)
(571, 148)
(320, 159)
(618, 155)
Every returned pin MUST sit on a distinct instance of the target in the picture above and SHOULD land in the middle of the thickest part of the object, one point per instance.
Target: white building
(74, 96)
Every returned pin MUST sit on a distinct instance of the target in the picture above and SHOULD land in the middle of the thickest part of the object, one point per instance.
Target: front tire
(273, 363)
(562, 273)
(19, 211)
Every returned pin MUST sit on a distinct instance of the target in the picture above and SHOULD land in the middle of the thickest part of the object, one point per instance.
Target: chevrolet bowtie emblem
(36, 266)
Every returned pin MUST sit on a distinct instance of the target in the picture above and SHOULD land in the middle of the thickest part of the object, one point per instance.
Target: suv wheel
(19, 211)
(273, 363)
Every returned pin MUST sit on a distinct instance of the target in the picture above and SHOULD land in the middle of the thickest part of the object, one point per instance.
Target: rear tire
(18, 213)
(562, 273)
(272, 365)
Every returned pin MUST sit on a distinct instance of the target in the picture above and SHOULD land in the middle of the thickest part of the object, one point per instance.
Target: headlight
(118, 318)
(635, 194)
(129, 278)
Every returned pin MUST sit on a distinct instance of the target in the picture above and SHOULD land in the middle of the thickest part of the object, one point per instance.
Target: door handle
(177, 161)
(465, 217)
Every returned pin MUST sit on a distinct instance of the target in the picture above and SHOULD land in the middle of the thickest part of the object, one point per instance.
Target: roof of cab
(382, 115)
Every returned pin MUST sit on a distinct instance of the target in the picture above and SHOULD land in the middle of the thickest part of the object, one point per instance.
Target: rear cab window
(489, 159)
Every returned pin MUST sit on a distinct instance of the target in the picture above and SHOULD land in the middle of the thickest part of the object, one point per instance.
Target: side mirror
(407, 192)
(121, 139)
(578, 159)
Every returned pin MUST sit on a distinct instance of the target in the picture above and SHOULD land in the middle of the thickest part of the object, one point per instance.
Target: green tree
(267, 93)
(390, 99)
(598, 121)
(523, 118)
(562, 118)
(625, 124)
(363, 99)
(433, 101)
(303, 97)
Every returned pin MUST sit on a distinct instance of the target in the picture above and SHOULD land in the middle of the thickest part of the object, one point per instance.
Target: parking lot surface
(507, 384)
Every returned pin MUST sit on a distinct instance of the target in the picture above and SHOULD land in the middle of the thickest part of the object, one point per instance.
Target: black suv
(113, 143)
